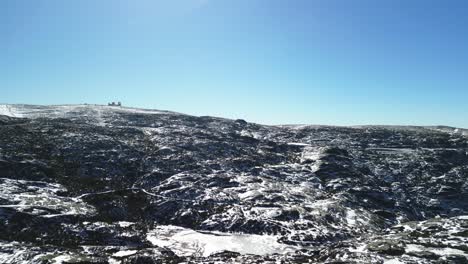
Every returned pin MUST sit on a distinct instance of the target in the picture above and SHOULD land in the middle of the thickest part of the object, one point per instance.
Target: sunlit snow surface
(40, 198)
(443, 251)
(188, 242)
(23, 255)
(99, 114)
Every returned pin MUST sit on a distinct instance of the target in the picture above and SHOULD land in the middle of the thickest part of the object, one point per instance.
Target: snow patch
(61, 259)
(124, 253)
(298, 144)
(439, 251)
(40, 195)
(125, 223)
(8, 111)
(188, 242)
(351, 217)
(393, 261)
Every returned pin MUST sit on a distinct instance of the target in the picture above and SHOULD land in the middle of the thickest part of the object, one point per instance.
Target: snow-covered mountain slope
(101, 184)
(91, 113)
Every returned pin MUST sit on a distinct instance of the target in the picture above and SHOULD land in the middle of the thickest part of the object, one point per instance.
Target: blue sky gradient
(268, 61)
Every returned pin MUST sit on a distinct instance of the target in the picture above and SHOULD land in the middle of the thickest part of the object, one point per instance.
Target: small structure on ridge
(115, 104)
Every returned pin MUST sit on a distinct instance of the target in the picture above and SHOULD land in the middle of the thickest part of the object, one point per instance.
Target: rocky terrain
(100, 184)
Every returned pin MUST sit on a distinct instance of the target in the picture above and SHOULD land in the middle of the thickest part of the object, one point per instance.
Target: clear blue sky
(268, 61)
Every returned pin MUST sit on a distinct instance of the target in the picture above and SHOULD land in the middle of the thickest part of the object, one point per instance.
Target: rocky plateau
(108, 184)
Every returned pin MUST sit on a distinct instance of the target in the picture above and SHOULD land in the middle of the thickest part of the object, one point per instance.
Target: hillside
(101, 184)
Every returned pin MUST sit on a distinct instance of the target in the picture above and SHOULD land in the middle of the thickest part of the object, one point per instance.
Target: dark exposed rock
(393, 248)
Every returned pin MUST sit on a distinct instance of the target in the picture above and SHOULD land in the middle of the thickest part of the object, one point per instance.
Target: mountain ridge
(3, 111)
